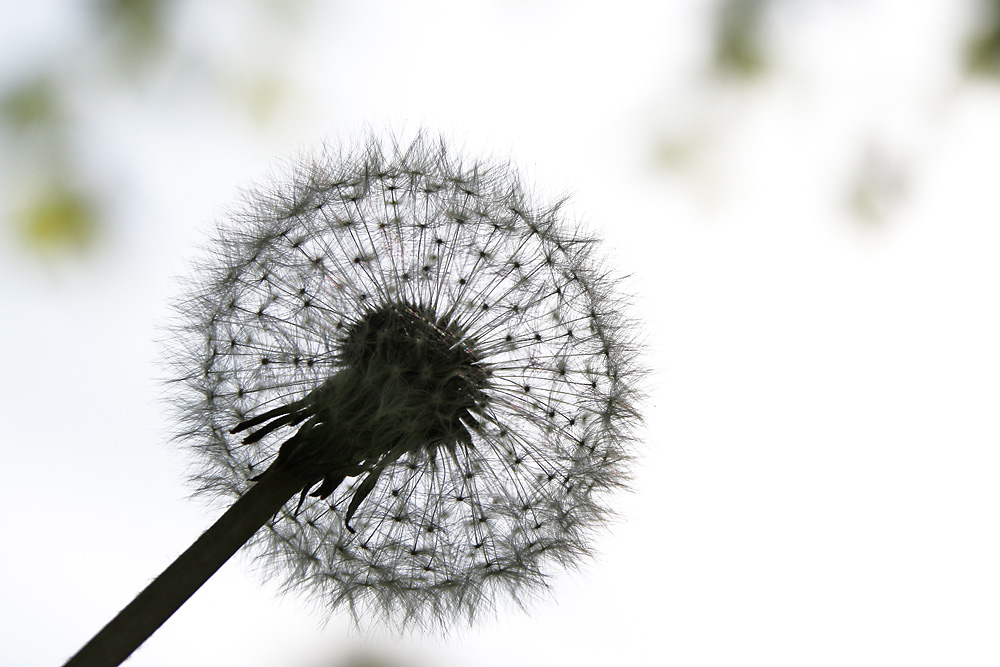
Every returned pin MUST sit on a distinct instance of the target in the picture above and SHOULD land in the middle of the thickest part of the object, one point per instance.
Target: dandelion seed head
(441, 359)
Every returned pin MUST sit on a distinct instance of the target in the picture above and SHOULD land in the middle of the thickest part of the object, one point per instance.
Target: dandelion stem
(154, 605)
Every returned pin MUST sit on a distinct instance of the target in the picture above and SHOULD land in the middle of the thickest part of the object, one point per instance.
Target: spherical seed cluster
(440, 359)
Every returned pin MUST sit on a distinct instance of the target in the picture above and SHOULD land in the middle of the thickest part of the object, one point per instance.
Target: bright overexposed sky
(813, 254)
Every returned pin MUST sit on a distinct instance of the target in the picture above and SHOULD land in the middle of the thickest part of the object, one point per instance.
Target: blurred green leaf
(33, 103)
(60, 219)
(982, 54)
(261, 96)
(139, 24)
(738, 49)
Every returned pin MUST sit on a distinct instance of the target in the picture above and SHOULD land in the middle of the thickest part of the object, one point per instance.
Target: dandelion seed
(411, 353)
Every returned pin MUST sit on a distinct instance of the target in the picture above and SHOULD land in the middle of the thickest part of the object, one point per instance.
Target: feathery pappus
(440, 358)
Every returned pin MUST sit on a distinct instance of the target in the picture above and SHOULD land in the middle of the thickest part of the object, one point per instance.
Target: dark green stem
(153, 606)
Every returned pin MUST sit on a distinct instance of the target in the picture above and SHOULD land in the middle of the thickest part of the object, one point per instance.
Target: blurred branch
(879, 184)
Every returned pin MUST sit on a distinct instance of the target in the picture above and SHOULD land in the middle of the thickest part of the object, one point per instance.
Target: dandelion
(417, 380)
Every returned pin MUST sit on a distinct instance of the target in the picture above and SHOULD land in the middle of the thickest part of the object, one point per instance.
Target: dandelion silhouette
(417, 381)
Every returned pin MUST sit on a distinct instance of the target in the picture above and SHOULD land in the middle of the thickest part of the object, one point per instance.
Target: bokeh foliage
(56, 206)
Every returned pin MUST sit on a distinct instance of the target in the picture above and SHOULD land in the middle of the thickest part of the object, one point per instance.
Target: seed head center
(419, 366)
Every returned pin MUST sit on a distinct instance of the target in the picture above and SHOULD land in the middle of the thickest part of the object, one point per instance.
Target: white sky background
(818, 483)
